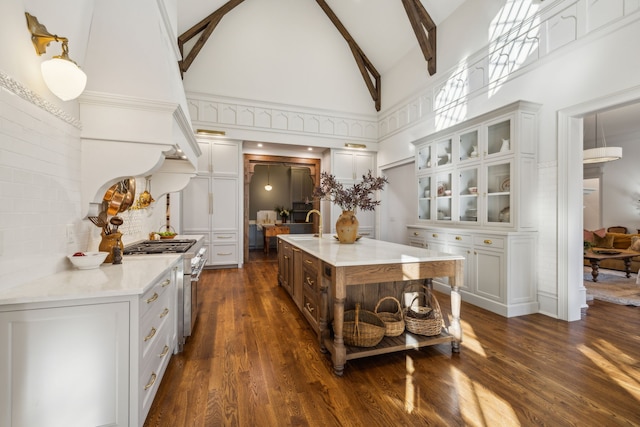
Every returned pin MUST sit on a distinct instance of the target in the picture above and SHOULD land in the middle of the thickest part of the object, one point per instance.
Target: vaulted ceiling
(379, 32)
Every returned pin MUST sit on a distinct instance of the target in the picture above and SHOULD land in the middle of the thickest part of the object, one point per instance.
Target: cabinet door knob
(415, 233)
(435, 235)
(458, 238)
(488, 242)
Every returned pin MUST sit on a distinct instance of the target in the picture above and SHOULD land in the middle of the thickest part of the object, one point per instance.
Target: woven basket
(362, 328)
(431, 324)
(394, 322)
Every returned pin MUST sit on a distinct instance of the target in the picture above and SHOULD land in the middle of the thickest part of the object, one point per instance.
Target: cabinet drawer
(459, 239)
(310, 308)
(149, 299)
(436, 236)
(309, 261)
(224, 254)
(417, 233)
(224, 237)
(151, 372)
(489, 242)
(155, 324)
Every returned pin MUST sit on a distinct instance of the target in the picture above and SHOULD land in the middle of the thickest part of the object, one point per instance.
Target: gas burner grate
(159, 247)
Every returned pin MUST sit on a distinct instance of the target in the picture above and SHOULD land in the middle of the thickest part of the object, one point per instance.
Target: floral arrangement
(358, 196)
(284, 213)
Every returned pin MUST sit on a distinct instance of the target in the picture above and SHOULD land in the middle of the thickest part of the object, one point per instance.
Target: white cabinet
(65, 366)
(499, 268)
(351, 165)
(480, 173)
(87, 362)
(211, 202)
(348, 167)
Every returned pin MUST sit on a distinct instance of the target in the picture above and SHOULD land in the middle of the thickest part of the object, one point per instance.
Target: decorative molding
(17, 88)
(547, 32)
(232, 113)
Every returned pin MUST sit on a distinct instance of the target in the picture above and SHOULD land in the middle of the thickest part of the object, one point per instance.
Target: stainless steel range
(194, 259)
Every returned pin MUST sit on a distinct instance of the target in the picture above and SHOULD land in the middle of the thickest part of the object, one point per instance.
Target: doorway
(570, 287)
(251, 161)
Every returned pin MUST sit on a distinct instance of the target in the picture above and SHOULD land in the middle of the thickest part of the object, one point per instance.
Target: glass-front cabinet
(480, 172)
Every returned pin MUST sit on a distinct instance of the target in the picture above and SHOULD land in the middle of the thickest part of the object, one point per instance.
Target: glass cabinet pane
(444, 152)
(424, 198)
(443, 197)
(468, 195)
(499, 193)
(499, 137)
(469, 145)
(424, 157)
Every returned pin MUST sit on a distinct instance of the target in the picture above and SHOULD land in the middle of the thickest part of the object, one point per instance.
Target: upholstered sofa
(617, 241)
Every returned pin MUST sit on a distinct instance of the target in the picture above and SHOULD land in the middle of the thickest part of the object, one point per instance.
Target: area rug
(613, 286)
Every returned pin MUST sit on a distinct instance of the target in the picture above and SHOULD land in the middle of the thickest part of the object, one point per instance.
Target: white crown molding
(17, 88)
(234, 113)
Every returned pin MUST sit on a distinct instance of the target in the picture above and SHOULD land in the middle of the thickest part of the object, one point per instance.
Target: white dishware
(89, 260)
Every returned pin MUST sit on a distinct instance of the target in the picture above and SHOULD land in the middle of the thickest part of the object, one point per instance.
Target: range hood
(134, 114)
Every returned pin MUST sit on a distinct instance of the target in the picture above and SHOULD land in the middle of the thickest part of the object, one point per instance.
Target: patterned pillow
(635, 244)
(605, 242)
(590, 236)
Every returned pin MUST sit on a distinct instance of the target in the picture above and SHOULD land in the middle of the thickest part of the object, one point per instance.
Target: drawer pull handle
(309, 281)
(153, 298)
(223, 237)
(165, 350)
(223, 253)
(458, 238)
(296, 250)
(151, 381)
(434, 235)
(164, 312)
(166, 283)
(308, 262)
(286, 257)
(152, 333)
(309, 307)
(488, 242)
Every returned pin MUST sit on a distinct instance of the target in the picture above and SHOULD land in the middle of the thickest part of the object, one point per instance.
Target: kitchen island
(323, 276)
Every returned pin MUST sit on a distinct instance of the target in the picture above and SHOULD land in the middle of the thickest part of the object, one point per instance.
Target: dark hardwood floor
(253, 361)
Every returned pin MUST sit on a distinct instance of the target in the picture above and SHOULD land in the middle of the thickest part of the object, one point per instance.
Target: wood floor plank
(253, 360)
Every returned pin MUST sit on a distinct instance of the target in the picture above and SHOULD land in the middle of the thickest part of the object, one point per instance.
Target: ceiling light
(601, 154)
(62, 75)
(268, 187)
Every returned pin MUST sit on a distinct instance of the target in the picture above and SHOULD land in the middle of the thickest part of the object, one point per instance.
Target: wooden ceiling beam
(206, 27)
(425, 31)
(369, 73)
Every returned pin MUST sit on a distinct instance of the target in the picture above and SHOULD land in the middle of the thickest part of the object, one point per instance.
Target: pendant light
(268, 187)
(601, 154)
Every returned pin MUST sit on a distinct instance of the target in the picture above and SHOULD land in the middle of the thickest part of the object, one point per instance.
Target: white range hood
(134, 115)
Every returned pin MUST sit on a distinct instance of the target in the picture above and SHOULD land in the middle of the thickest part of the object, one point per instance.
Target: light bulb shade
(64, 78)
(601, 154)
(268, 187)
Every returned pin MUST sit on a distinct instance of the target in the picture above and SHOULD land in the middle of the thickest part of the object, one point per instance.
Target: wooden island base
(323, 276)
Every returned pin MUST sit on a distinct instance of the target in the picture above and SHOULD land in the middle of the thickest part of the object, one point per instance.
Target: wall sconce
(62, 75)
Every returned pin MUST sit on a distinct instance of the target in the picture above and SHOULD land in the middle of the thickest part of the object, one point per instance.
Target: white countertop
(133, 277)
(364, 251)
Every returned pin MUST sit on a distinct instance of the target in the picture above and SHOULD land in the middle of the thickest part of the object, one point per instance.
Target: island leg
(324, 315)
(455, 329)
(339, 351)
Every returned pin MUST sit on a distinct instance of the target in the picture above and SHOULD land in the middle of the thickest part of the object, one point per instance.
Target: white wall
(399, 205)
(40, 149)
(280, 51)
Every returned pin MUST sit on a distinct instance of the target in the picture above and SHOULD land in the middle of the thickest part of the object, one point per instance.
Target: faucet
(319, 220)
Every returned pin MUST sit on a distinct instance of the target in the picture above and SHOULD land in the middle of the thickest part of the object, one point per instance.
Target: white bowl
(89, 260)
